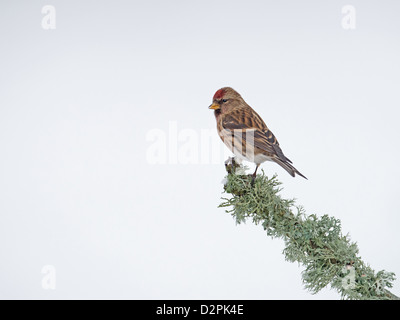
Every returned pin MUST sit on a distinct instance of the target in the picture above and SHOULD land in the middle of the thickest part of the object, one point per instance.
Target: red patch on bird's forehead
(219, 94)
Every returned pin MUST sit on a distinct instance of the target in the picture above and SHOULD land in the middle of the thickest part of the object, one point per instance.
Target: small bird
(245, 133)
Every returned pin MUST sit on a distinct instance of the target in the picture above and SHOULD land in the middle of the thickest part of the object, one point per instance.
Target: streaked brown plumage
(245, 133)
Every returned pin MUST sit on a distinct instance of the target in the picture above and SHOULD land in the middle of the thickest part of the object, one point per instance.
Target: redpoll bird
(245, 133)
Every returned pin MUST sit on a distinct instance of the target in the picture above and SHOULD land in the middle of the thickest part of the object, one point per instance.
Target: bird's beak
(214, 106)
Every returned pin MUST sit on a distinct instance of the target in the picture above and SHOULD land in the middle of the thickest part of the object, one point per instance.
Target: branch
(317, 243)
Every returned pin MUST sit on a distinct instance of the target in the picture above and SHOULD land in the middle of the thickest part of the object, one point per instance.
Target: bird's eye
(224, 100)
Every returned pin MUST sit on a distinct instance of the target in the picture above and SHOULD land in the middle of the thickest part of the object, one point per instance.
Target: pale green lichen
(316, 242)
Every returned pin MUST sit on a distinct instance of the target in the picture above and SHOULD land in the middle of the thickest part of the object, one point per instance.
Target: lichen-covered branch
(316, 242)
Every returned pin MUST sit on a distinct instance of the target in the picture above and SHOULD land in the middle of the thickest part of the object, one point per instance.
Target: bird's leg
(254, 175)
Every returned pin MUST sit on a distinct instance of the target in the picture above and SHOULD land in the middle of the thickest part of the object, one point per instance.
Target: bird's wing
(247, 119)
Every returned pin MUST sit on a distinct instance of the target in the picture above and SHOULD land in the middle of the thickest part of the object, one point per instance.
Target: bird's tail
(289, 168)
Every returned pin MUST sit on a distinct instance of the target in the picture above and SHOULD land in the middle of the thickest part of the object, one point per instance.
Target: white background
(76, 104)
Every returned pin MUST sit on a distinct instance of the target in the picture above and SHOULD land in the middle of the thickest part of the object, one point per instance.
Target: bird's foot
(231, 165)
(253, 178)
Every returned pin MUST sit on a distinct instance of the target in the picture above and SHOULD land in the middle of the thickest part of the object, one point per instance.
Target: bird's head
(225, 99)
